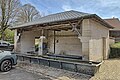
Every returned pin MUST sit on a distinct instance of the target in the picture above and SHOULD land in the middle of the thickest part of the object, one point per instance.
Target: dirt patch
(109, 70)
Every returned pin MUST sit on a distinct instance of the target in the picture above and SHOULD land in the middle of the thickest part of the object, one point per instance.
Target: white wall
(86, 36)
(96, 44)
(27, 41)
(68, 42)
(90, 44)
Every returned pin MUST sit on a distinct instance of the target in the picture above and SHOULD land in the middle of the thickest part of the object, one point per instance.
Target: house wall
(111, 41)
(27, 41)
(17, 45)
(92, 45)
(65, 42)
(73, 45)
(86, 36)
(99, 43)
(95, 40)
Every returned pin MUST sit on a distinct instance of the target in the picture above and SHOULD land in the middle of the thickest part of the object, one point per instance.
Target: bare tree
(27, 13)
(8, 11)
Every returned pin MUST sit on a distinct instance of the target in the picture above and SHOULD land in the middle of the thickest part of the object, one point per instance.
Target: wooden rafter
(75, 25)
(60, 26)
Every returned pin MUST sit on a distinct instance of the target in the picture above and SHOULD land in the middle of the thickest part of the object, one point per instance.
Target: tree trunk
(2, 35)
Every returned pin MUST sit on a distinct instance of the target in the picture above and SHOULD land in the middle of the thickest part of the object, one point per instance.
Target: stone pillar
(85, 47)
(15, 40)
(41, 41)
(86, 36)
(105, 52)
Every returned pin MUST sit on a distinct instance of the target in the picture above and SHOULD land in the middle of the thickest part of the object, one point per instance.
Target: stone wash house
(114, 33)
(69, 33)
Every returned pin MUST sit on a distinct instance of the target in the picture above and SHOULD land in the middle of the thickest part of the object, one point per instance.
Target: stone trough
(85, 67)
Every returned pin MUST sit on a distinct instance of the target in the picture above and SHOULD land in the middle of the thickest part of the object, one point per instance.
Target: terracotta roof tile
(114, 22)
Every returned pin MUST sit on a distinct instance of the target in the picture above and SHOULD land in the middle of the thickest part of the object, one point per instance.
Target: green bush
(115, 50)
(114, 53)
(8, 36)
(116, 45)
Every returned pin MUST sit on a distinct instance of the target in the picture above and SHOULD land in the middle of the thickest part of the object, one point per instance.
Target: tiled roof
(63, 16)
(114, 22)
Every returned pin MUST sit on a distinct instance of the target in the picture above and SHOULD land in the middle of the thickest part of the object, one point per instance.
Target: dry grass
(109, 70)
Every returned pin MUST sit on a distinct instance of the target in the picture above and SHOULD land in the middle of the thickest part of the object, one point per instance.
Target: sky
(103, 8)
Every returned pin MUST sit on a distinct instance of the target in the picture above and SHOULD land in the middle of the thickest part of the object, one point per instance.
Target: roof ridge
(111, 19)
(64, 12)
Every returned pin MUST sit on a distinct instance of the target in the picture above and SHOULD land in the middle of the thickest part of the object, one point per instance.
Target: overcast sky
(103, 8)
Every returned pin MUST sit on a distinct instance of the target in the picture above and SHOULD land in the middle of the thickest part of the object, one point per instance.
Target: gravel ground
(52, 73)
(109, 70)
(20, 74)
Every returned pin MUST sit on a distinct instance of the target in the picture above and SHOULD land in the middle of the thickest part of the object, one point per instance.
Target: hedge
(114, 52)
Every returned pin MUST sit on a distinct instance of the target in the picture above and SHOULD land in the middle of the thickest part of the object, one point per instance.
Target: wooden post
(74, 27)
(54, 41)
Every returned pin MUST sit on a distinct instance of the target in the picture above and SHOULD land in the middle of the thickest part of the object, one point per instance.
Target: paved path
(19, 74)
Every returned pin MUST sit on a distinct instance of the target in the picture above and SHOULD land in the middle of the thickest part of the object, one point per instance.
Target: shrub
(114, 53)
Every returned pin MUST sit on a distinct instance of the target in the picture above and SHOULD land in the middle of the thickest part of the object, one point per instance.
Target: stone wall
(27, 41)
(92, 45)
(99, 43)
(80, 67)
(66, 42)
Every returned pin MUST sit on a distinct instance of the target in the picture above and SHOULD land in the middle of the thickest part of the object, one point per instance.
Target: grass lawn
(116, 45)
